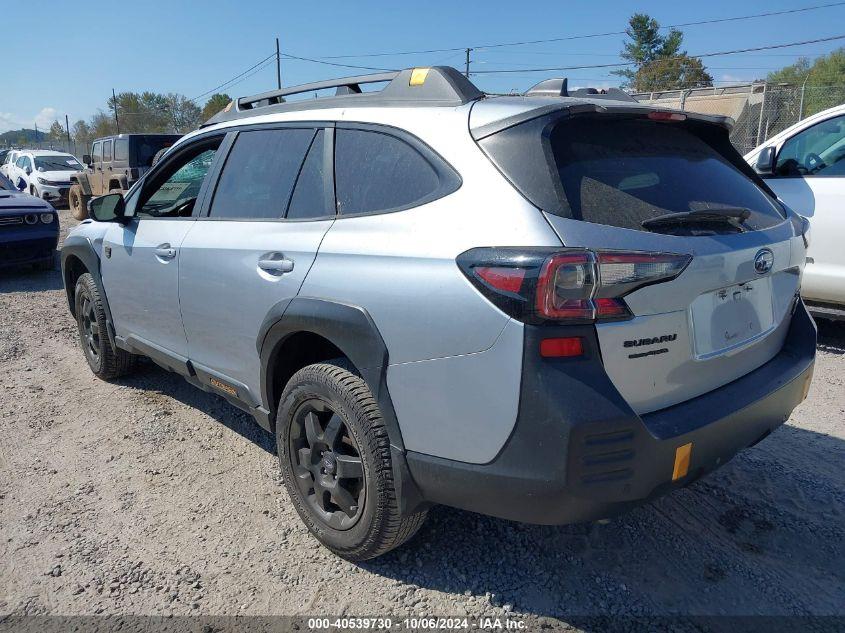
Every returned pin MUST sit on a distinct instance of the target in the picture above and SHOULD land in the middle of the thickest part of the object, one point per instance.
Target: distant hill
(21, 137)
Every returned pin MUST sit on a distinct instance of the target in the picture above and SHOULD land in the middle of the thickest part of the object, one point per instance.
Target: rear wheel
(105, 360)
(78, 202)
(336, 464)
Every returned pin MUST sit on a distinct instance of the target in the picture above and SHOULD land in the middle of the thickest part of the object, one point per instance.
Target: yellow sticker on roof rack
(418, 76)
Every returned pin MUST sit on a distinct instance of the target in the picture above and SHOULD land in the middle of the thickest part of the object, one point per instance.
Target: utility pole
(67, 129)
(114, 102)
(278, 66)
(466, 72)
(36, 133)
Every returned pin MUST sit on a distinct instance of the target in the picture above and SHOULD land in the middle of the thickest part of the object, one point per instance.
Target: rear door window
(377, 172)
(309, 195)
(260, 172)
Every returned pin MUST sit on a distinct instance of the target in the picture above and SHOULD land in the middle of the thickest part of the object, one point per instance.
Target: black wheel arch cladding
(79, 248)
(352, 330)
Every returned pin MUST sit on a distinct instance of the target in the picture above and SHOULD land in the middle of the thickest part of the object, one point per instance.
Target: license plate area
(731, 318)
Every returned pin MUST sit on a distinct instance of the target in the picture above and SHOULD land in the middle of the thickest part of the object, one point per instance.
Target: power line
(622, 64)
(230, 81)
(318, 61)
(590, 35)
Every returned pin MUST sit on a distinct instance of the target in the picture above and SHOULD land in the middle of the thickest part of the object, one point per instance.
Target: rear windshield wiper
(733, 216)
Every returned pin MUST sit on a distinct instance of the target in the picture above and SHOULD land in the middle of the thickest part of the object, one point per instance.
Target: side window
(260, 172)
(21, 162)
(97, 153)
(378, 172)
(121, 149)
(309, 195)
(817, 151)
(107, 151)
(172, 192)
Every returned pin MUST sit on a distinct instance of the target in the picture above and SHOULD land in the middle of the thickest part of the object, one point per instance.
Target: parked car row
(42, 173)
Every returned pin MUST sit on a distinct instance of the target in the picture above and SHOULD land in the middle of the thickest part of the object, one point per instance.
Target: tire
(376, 525)
(105, 361)
(78, 202)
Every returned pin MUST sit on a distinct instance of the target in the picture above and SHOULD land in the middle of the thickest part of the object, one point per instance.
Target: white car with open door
(805, 166)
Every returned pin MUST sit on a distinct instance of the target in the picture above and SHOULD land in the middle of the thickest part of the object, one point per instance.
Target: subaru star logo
(763, 261)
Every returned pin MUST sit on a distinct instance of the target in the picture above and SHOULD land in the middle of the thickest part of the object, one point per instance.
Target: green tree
(660, 64)
(822, 80)
(57, 132)
(214, 105)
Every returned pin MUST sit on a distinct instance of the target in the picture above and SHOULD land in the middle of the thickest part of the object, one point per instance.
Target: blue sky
(66, 57)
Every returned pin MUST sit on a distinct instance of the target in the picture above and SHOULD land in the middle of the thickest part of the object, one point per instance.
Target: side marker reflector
(418, 76)
(682, 460)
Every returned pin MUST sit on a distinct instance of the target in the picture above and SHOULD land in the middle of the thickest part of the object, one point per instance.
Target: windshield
(58, 162)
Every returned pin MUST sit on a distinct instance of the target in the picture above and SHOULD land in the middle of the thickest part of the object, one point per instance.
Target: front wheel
(336, 463)
(105, 360)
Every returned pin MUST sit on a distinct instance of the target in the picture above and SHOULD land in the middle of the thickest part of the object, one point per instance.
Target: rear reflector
(561, 347)
(682, 461)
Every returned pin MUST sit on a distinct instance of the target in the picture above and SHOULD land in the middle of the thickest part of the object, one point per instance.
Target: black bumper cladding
(579, 453)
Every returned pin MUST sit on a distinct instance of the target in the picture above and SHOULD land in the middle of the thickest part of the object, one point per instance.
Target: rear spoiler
(574, 107)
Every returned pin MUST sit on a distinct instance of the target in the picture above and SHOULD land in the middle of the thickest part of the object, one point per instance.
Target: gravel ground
(147, 496)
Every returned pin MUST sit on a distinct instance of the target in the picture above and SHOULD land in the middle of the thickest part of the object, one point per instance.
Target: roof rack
(432, 86)
(558, 87)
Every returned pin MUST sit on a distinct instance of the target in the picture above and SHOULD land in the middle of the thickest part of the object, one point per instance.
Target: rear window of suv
(622, 171)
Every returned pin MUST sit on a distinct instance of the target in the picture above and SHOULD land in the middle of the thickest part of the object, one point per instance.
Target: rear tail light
(571, 285)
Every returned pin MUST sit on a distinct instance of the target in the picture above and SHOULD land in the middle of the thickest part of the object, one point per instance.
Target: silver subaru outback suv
(547, 307)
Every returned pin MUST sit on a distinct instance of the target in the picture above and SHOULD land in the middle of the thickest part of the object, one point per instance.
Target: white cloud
(44, 119)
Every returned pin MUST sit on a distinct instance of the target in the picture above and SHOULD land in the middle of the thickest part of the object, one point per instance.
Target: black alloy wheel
(326, 462)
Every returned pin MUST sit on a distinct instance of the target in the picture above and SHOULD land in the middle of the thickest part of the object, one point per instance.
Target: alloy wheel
(327, 465)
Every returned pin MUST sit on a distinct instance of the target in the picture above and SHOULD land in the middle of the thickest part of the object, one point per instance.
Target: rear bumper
(579, 453)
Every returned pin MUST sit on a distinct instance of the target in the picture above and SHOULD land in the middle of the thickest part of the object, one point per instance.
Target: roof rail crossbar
(351, 84)
(432, 86)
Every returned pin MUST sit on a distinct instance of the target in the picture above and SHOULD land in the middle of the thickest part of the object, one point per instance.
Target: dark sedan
(29, 228)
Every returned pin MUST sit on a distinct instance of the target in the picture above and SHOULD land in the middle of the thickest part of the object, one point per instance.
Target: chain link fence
(77, 149)
(760, 110)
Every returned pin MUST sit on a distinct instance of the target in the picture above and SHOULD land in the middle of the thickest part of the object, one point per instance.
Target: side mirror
(86, 159)
(109, 208)
(28, 171)
(765, 163)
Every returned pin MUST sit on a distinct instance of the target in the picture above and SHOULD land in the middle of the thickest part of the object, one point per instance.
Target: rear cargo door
(636, 183)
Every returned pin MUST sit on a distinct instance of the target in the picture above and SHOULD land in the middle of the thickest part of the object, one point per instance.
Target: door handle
(277, 266)
(165, 251)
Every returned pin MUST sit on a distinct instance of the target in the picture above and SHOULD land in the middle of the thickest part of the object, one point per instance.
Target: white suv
(44, 174)
(805, 166)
